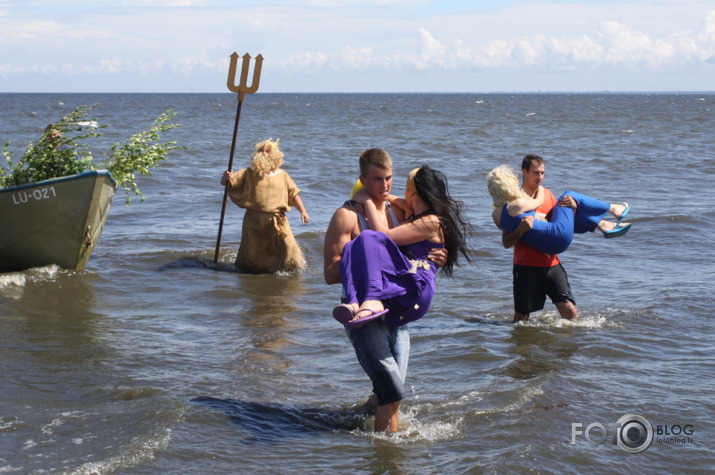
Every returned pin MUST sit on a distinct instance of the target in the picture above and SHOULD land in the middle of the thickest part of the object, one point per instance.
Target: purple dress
(373, 267)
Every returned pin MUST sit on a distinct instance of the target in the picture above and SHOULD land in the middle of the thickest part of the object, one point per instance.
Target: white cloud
(305, 61)
(613, 44)
(360, 41)
(165, 3)
(429, 50)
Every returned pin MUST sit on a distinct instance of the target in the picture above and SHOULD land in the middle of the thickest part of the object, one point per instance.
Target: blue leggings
(555, 235)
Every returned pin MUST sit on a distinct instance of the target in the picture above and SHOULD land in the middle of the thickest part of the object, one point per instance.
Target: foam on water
(414, 429)
(12, 280)
(552, 319)
(140, 452)
(13, 284)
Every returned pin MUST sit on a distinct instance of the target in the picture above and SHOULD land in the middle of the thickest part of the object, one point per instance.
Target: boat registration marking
(38, 194)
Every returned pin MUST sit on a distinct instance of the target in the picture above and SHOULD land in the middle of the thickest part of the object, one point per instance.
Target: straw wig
(267, 158)
(503, 185)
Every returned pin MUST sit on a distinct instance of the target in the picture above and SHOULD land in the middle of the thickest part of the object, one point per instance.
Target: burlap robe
(267, 242)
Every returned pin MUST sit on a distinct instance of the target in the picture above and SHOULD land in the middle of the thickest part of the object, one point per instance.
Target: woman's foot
(369, 310)
(619, 211)
(608, 228)
(616, 230)
(374, 305)
(345, 312)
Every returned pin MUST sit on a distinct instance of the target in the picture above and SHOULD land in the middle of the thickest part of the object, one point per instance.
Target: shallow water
(153, 360)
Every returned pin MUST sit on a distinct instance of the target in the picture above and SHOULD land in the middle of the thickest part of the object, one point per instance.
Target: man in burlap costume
(266, 192)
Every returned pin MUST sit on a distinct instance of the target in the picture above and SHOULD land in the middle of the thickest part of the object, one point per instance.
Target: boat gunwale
(85, 174)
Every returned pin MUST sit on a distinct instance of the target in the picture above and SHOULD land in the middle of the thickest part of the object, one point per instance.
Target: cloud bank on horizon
(359, 46)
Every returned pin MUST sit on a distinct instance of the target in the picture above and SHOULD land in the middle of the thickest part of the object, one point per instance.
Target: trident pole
(225, 189)
(242, 89)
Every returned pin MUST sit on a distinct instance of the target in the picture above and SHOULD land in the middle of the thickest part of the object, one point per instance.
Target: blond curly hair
(503, 185)
(267, 158)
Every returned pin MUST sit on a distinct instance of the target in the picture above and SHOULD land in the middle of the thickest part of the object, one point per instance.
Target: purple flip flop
(343, 313)
(358, 322)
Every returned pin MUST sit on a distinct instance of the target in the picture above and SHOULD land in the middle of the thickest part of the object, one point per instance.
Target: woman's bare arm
(524, 205)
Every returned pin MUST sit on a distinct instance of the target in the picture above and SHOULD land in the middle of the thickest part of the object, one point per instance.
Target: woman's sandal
(619, 230)
(626, 209)
(344, 313)
(358, 322)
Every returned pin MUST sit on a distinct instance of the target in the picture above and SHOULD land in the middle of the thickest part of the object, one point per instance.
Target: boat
(55, 221)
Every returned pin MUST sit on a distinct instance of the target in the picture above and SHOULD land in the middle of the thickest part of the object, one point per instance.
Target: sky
(358, 46)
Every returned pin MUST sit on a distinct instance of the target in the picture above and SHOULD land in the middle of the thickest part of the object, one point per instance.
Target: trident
(242, 89)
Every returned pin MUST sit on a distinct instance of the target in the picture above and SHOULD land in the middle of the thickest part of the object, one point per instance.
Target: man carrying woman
(382, 344)
(537, 271)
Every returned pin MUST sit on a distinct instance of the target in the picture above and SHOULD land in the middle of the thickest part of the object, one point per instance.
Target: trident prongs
(242, 88)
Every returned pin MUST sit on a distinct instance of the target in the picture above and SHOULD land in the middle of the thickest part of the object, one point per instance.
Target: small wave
(225, 264)
(141, 452)
(126, 393)
(515, 399)
(12, 280)
(416, 427)
(548, 319)
(308, 235)
(29, 443)
(87, 123)
(122, 439)
(198, 262)
(552, 319)
(50, 427)
(488, 321)
(441, 421)
(12, 284)
(10, 423)
(50, 271)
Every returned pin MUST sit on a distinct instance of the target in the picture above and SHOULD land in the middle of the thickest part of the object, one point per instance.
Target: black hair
(431, 186)
(529, 159)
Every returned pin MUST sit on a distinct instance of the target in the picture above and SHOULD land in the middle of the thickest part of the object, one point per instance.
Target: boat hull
(56, 221)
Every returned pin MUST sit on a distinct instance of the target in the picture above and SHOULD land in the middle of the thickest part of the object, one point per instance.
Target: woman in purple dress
(385, 271)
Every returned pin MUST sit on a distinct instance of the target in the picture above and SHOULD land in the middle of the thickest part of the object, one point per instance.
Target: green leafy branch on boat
(140, 153)
(62, 151)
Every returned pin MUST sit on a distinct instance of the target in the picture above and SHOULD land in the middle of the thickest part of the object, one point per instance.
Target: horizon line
(378, 92)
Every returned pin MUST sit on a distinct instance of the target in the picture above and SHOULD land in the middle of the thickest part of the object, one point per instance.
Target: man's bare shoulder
(344, 218)
(343, 227)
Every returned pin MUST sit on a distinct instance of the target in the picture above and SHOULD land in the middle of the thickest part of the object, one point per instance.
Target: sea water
(152, 360)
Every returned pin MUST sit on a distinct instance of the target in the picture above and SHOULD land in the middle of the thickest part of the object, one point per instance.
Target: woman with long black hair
(388, 281)
(385, 271)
